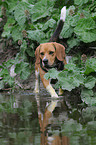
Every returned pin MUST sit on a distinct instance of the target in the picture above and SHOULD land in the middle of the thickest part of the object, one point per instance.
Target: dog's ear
(60, 51)
(37, 54)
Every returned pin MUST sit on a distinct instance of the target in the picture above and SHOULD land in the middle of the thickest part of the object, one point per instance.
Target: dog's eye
(42, 53)
(51, 52)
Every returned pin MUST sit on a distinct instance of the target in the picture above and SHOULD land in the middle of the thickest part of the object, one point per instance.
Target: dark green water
(29, 119)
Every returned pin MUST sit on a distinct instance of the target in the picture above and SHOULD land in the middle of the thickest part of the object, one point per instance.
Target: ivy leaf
(90, 82)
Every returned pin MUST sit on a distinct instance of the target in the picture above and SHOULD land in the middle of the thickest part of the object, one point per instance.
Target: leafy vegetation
(27, 23)
(75, 75)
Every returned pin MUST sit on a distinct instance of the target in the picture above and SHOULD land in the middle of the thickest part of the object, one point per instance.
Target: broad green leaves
(80, 2)
(36, 35)
(86, 30)
(22, 69)
(88, 97)
(90, 66)
(80, 25)
(40, 19)
(52, 73)
(90, 82)
(25, 17)
(42, 9)
(21, 11)
(74, 76)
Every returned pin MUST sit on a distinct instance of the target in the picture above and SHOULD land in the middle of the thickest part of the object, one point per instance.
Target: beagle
(50, 55)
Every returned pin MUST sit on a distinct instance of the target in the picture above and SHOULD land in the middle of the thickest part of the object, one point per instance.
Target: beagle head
(47, 53)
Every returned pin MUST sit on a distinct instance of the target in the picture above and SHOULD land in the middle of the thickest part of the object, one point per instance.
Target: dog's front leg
(47, 85)
(36, 90)
(52, 92)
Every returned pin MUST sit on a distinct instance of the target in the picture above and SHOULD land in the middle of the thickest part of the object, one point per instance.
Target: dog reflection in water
(44, 121)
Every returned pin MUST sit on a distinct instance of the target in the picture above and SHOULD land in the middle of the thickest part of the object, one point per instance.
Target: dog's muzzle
(45, 61)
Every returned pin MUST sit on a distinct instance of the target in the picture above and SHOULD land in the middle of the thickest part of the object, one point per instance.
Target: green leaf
(20, 12)
(90, 66)
(67, 31)
(25, 73)
(4, 72)
(86, 30)
(88, 36)
(67, 84)
(70, 67)
(78, 79)
(90, 82)
(49, 24)
(23, 47)
(85, 24)
(42, 9)
(23, 69)
(8, 27)
(86, 93)
(66, 80)
(80, 2)
(10, 81)
(11, 5)
(52, 73)
(16, 33)
(75, 20)
(20, 66)
(86, 96)
(1, 84)
(73, 42)
(36, 35)
(92, 124)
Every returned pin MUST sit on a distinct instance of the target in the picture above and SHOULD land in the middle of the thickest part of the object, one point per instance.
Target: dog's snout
(45, 61)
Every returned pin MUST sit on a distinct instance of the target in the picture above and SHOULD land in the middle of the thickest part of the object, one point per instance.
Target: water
(29, 119)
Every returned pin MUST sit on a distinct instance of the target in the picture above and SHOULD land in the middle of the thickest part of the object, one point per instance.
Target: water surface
(29, 119)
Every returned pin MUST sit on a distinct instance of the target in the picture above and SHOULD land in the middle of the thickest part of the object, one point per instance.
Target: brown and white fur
(50, 55)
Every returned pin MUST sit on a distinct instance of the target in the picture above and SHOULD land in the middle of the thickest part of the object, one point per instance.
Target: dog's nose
(45, 61)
